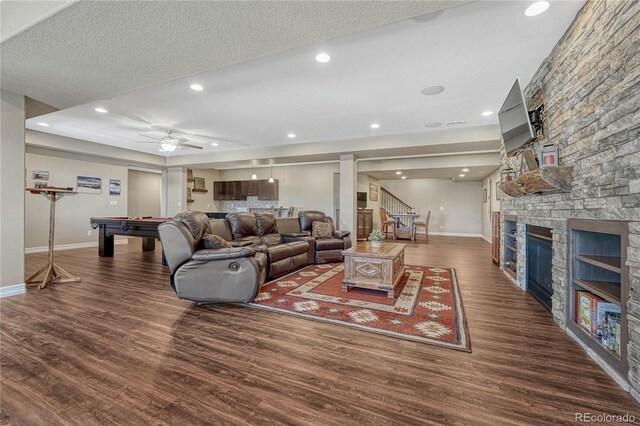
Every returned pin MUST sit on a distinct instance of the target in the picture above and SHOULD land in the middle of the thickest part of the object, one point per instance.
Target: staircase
(394, 205)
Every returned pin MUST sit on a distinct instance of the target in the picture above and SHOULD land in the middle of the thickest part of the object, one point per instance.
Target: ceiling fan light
(168, 146)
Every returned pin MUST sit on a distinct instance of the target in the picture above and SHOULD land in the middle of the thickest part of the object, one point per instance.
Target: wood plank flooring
(120, 348)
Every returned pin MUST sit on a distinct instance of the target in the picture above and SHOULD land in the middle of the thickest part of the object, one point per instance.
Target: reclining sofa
(262, 247)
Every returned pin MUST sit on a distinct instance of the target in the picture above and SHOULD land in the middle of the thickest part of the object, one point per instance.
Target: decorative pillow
(321, 230)
(212, 241)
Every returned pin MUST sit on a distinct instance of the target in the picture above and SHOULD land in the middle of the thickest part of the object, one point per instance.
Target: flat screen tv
(514, 120)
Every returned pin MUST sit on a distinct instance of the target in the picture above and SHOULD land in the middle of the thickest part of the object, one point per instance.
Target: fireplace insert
(539, 258)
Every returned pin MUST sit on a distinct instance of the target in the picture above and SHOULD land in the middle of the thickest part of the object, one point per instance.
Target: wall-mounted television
(514, 120)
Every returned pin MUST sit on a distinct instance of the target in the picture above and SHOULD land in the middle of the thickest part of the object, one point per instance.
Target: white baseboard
(487, 239)
(60, 247)
(13, 290)
(454, 234)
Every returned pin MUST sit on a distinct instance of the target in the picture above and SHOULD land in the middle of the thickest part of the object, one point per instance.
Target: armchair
(204, 275)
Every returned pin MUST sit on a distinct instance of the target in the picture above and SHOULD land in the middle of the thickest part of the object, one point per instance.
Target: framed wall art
(373, 192)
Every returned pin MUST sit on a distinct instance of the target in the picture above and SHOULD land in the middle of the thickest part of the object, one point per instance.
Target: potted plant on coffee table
(376, 238)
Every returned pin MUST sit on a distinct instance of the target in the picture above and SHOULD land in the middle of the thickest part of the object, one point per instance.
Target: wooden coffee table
(374, 268)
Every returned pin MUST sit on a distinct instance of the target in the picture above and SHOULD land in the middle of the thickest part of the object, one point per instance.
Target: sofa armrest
(296, 234)
(223, 254)
(341, 234)
(236, 243)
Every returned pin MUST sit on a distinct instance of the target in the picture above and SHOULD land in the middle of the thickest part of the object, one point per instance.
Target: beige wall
(492, 204)
(72, 213)
(309, 187)
(203, 201)
(143, 193)
(12, 195)
(455, 207)
(363, 186)
(174, 182)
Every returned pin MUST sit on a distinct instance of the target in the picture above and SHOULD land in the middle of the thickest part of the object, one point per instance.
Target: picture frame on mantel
(373, 192)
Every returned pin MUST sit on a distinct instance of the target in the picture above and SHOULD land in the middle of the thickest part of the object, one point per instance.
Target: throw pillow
(212, 241)
(321, 230)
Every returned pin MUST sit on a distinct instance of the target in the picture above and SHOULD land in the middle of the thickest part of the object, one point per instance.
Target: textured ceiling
(97, 49)
(18, 15)
(475, 51)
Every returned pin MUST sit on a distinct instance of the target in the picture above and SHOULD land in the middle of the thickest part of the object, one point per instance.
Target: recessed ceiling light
(196, 87)
(291, 135)
(461, 175)
(43, 124)
(403, 177)
(434, 124)
(453, 123)
(398, 173)
(432, 90)
(375, 126)
(214, 144)
(487, 113)
(323, 58)
(465, 170)
(537, 8)
(101, 110)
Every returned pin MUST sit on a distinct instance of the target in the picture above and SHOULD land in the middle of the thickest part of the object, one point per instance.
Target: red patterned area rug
(427, 307)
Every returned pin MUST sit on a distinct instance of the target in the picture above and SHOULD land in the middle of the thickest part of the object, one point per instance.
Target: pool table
(145, 227)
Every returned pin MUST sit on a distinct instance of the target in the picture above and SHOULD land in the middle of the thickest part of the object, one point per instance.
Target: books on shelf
(599, 318)
(586, 308)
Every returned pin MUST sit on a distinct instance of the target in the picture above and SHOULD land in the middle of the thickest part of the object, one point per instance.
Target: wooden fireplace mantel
(547, 179)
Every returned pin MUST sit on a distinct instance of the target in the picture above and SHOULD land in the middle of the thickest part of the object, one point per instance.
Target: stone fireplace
(589, 88)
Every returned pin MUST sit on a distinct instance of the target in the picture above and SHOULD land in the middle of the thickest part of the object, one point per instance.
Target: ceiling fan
(170, 141)
(171, 138)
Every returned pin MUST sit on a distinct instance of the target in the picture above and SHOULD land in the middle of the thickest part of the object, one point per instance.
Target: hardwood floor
(120, 348)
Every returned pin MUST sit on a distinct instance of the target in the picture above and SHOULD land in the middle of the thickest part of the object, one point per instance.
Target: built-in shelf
(610, 263)
(510, 251)
(610, 291)
(199, 190)
(585, 335)
(547, 179)
(597, 257)
(540, 236)
(511, 273)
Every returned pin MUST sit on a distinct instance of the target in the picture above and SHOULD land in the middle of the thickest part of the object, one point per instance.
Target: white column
(12, 184)
(175, 183)
(348, 186)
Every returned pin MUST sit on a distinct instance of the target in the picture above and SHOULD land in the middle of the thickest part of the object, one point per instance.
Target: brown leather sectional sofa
(264, 248)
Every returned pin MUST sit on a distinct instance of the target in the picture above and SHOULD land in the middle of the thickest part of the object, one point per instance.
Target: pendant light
(271, 178)
(254, 176)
